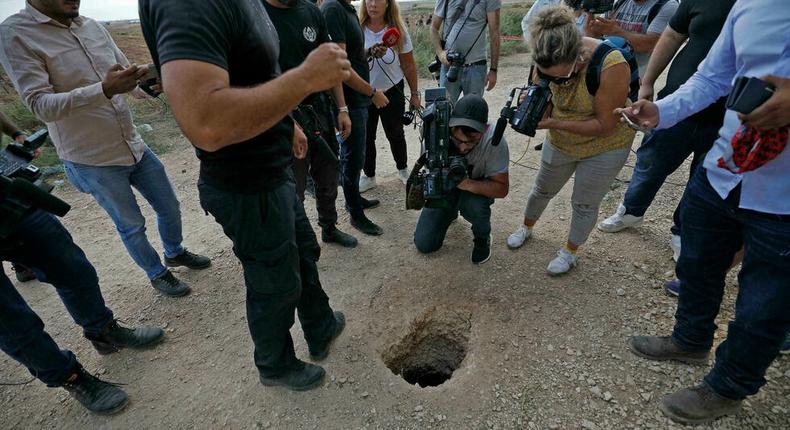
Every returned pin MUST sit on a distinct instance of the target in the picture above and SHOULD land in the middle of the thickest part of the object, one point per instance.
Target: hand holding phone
(150, 82)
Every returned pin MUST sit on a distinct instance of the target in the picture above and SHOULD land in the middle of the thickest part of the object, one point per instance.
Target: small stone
(620, 292)
(418, 408)
(646, 396)
(597, 391)
(589, 425)
(550, 348)
(607, 396)
(364, 394)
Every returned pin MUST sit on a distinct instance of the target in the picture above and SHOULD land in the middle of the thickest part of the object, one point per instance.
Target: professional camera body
(593, 6)
(525, 117)
(444, 167)
(456, 61)
(22, 189)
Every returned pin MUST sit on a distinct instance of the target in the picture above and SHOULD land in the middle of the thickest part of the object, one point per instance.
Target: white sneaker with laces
(562, 263)
(675, 244)
(518, 237)
(366, 183)
(619, 221)
(403, 175)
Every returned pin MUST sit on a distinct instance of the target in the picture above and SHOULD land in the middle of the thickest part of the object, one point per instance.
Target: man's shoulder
(19, 19)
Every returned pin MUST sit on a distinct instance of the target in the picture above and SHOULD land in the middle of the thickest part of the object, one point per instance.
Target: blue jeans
(660, 154)
(471, 80)
(434, 222)
(43, 244)
(352, 158)
(278, 251)
(111, 186)
(713, 231)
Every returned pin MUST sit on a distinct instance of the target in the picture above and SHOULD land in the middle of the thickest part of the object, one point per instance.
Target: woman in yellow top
(584, 135)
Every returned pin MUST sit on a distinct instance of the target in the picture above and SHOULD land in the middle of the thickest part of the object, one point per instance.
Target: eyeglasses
(471, 143)
(559, 80)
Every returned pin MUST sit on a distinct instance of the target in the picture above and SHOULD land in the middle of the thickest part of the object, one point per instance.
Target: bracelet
(373, 93)
(16, 134)
(415, 93)
(342, 109)
(492, 69)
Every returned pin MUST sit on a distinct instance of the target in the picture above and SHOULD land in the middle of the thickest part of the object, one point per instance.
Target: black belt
(476, 63)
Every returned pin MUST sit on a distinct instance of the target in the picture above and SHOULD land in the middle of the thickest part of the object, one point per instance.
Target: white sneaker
(562, 263)
(366, 183)
(403, 175)
(675, 244)
(619, 221)
(518, 237)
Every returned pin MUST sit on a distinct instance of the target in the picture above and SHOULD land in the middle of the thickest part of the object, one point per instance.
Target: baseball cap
(471, 111)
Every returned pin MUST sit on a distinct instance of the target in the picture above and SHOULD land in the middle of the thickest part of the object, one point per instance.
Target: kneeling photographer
(588, 79)
(484, 179)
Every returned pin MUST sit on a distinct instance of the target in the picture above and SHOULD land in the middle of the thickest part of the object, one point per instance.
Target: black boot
(97, 396)
(304, 377)
(23, 274)
(331, 234)
(698, 405)
(369, 204)
(363, 224)
(114, 337)
(321, 352)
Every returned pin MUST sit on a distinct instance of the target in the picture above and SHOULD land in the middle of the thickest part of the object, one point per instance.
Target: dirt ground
(531, 351)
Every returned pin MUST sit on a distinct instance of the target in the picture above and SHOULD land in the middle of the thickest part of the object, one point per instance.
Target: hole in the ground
(433, 349)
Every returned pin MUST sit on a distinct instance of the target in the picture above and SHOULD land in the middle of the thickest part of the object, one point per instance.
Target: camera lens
(452, 73)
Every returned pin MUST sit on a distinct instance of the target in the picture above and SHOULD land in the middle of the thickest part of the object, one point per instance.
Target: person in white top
(388, 69)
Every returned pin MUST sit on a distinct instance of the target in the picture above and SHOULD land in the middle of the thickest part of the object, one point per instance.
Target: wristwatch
(373, 93)
(343, 109)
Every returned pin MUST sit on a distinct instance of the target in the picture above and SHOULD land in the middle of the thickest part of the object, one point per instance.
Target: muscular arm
(610, 95)
(495, 187)
(493, 37)
(214, 115)
(668, 45)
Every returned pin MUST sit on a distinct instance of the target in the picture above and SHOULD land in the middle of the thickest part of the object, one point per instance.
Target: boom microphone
(391, 37)
(35, 196)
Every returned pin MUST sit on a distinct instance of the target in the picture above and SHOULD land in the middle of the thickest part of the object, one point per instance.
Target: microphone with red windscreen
(391, 37)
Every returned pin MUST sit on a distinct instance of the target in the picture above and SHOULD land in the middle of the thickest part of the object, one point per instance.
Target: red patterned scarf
(752, 147)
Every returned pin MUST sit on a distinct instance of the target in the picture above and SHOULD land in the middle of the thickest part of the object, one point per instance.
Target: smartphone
(748, 93)
(152, 73)
(148, 80)
(631, 124)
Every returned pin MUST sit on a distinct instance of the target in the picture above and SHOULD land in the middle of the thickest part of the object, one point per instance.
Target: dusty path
(537, 352)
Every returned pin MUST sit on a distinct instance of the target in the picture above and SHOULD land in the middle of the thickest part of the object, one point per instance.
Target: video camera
(525, 117)
(445, 168)
(593, 6)
(22, 189)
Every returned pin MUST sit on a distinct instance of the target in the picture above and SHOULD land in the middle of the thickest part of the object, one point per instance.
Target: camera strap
(463, 24)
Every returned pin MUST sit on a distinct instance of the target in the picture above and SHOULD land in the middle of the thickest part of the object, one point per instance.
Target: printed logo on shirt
(309, 34)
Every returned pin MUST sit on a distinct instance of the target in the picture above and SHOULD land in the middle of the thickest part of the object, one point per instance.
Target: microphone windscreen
(391, 37)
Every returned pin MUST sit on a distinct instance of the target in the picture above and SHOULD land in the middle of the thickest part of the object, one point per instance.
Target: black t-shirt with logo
(344, 27)
(238, 36)
(301, 28)
(702, 21)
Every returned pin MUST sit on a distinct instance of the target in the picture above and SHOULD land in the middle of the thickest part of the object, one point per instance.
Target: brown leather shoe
(697, 405)
(661, 348)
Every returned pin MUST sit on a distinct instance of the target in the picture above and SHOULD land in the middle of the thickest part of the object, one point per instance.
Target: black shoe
(189, 260)
(23, 274)
(369, 204)
(114, 337)
(661, 348)
(333, 235)
(169, 285)
(698, 405)
(305, 377)
(318, 354)
(482, 250)
(363, 224)
(97, 396)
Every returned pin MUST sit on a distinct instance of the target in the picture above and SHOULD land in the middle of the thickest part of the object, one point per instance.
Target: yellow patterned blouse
(572, 102)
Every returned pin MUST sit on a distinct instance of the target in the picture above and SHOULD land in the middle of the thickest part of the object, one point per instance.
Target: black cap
(471, 111)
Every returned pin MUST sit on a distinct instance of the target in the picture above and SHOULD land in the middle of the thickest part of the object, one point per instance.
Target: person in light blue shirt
(723, 211)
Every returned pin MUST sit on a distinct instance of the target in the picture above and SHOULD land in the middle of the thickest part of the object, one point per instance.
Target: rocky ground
(531, 351)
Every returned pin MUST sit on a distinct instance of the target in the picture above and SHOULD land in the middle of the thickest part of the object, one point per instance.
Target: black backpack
(593, 77)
